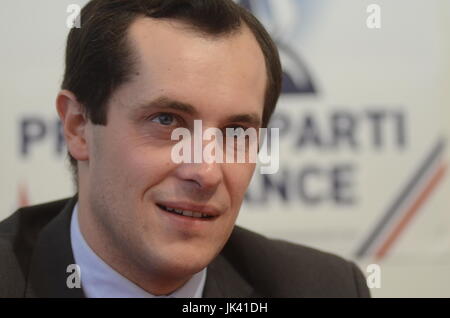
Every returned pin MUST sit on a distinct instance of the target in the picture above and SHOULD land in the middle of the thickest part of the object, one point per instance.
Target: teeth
(187, 213)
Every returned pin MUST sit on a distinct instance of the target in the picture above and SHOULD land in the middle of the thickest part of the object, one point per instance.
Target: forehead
(224, 73)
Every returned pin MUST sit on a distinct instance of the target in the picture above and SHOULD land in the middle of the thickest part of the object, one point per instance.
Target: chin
(189, 262)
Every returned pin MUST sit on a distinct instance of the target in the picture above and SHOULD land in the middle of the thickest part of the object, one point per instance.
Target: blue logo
(281, 19)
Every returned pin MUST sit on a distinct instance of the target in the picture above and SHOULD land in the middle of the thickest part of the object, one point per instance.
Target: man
(140, 224)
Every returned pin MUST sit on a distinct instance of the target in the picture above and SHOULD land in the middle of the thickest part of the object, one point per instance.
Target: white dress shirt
(99, 280)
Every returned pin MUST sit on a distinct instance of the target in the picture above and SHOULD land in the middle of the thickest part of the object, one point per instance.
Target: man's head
(99, 59)
(135, 71)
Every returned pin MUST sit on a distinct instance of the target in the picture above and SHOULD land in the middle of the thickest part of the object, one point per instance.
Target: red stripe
(411, 211)
(23, 195)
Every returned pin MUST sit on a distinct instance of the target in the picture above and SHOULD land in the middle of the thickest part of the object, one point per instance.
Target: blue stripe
(394, 208)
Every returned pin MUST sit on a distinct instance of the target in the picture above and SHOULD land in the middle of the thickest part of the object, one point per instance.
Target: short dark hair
(99, 59)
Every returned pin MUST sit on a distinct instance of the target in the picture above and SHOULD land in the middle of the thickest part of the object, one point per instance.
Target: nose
(207, 175)
(204, 176)
(201, 176)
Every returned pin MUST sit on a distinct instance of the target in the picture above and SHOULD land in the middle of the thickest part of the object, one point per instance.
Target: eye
(164, 119)
(235, 131)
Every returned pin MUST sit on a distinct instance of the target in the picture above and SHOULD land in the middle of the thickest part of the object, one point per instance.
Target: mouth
(186, 213)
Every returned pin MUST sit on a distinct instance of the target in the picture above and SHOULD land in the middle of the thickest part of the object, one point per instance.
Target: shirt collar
(99, 280)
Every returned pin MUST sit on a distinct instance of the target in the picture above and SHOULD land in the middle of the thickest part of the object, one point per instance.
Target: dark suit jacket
(35, 251)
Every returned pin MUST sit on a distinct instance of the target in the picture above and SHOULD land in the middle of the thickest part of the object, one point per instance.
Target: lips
(189, 210)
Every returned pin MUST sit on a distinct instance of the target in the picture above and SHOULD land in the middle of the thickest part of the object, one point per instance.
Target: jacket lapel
(52, 255)
(223, 281)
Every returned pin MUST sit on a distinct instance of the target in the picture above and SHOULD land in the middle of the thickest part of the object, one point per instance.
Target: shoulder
(31, 219)
(18, 234)
(282, 269)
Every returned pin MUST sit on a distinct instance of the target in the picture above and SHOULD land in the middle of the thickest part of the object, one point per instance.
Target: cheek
(238, 179)
(146, 167)
(131, 165)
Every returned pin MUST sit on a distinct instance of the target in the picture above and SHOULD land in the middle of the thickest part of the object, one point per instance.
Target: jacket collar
(223, 281)
(53, 254)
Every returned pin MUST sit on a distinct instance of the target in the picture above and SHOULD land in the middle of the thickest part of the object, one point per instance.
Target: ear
(74, 122)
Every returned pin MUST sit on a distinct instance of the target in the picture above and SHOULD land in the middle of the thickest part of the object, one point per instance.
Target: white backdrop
(364, 131)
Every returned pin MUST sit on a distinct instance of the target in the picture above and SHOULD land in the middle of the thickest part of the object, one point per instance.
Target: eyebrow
(251, 119)
(166, 103)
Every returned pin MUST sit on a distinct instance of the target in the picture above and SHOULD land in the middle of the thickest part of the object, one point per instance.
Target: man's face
(130, 177)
